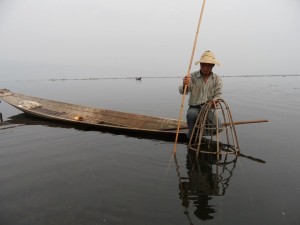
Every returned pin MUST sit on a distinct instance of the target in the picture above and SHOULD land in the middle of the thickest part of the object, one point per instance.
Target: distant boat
(138, 78)
(95, 118)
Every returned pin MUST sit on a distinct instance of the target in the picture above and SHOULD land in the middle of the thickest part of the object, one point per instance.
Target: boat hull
(95, 118)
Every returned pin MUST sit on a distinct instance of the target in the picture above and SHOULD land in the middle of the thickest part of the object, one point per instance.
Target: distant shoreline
(146, 77)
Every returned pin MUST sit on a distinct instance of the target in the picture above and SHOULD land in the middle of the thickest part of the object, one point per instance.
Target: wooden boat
(95, 118)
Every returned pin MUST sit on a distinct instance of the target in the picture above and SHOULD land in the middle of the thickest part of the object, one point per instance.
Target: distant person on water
(202, 86)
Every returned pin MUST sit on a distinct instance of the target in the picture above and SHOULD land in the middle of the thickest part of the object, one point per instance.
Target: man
(203, 86)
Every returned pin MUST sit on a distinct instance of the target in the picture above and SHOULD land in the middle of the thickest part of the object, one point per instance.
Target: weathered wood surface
(90, 116)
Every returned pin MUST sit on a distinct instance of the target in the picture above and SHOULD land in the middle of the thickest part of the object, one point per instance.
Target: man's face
(206, 68)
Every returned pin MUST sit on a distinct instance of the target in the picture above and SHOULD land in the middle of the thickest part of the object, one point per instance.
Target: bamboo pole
(227, 124)
(188, 74)
(245, 122)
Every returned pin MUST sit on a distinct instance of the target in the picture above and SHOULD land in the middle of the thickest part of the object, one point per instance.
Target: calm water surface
(55, 174)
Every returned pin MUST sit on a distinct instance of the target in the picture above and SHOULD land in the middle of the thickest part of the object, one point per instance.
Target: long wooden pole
(228, 124)
(188, 74)
(245, 122)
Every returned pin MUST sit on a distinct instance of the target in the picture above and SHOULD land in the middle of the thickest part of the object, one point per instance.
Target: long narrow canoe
(96, 118)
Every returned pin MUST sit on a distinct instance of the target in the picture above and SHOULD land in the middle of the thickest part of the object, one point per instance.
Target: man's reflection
(205, 178)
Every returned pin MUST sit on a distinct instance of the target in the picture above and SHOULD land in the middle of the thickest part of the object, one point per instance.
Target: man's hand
(214, 103)
(186, 81)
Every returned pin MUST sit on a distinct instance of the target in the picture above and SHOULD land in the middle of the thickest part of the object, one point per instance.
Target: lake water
(55, 174)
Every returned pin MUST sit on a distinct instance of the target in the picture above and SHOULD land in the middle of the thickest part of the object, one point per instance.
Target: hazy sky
(149, 38)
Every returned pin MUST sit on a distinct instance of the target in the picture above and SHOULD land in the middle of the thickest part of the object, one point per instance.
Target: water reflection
(204, 178)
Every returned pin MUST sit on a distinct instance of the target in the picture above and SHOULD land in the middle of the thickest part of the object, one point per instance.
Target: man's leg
(191, 117)
(211, 117)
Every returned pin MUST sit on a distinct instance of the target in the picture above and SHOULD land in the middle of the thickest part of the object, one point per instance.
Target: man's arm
(186, 82)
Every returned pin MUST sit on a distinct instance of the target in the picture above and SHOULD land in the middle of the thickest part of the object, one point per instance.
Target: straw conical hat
(208, 57)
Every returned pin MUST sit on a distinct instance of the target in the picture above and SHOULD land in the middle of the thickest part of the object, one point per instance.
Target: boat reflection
(23, 119)
(204, 177)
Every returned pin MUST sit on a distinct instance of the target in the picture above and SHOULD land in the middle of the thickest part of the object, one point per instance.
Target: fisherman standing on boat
(202, 86)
